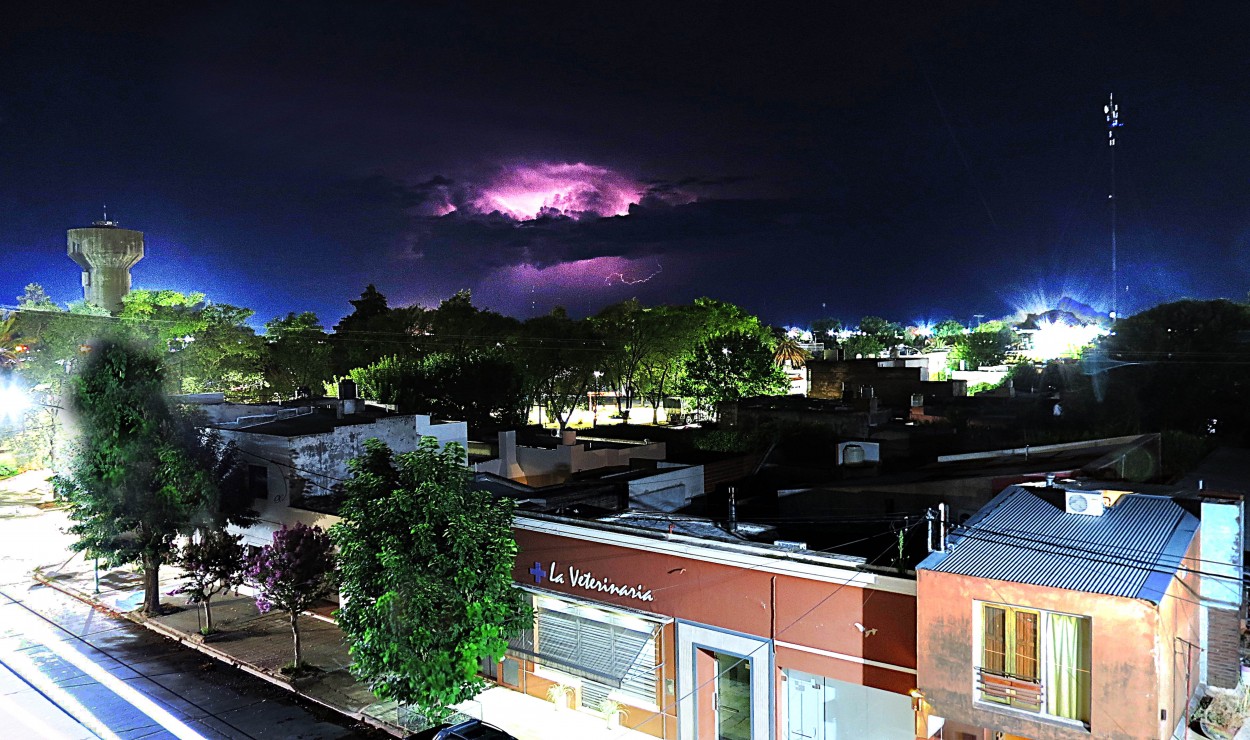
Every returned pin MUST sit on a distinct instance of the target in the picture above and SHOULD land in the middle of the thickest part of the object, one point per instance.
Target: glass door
(733, 697)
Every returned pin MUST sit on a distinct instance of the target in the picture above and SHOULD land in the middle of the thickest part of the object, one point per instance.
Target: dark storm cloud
(653, 228)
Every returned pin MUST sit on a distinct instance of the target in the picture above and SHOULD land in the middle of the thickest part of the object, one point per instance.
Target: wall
(322, 458)
(1222, 552)
(272, 517)
(1177, 646)
(812, 622)
(669, 489)
(1127, 641)
(542, 466)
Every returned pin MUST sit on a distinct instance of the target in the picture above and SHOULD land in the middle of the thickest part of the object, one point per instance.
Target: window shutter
(994, 640)
(1026, 646)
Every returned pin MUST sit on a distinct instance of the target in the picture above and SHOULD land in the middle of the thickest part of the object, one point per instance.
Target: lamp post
(594, 406)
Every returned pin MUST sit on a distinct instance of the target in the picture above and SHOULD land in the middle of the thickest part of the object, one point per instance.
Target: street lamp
(594, 406)
(14, 400)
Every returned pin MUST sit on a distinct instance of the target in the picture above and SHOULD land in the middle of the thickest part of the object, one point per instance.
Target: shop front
(690, 638)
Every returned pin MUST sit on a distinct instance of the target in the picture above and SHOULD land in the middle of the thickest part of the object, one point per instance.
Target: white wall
(668, 490)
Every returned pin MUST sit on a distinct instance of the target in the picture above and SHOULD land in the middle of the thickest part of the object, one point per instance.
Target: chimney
(347, 389)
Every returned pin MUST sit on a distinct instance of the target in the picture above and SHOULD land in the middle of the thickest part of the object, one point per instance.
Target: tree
(560, 357)
(675, 331)
(480, 387)
(131, 486)
(293, 573)
(628, 337)
(458, 327)
(297, 355)
(426, 562)
(34, 298)
(375, 330)
(730, 367)
(949, 329)
(206, 346)
(213, 563)
(988, 344)
(826, 329)
(861, 345)
(1183, 364)
(888, 333)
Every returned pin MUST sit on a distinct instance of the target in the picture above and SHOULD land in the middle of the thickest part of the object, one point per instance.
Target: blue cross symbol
(538, 572)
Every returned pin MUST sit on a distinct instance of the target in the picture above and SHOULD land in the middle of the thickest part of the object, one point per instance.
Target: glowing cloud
(528, 192)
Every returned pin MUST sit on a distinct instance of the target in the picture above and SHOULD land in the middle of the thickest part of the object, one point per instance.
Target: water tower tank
(105, 252)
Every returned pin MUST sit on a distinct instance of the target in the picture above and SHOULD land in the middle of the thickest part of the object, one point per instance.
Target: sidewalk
(262, 643)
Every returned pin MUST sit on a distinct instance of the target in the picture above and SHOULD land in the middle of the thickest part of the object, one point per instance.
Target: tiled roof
(1132, 550)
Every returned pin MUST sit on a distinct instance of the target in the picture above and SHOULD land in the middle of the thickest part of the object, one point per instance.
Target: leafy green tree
(131, 487)
(292, 574)
(826, 330)
(206, 346)
(628, 338)
(861, 345)
(297, 355)
(458, 327)
(559, 356)
(211, 564)
(733, 366)
(426, 566)
(889, 333)
(949, 328)
(675, 332)
(375, 330)
(34, 298)
(987, 345)
(481, 387)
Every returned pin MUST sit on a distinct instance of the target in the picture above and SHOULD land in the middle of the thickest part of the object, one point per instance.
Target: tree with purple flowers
(211, 564)
(292, 573)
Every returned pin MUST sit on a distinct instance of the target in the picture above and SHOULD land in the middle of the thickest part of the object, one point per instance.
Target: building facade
(703, 637)
(1063, 614)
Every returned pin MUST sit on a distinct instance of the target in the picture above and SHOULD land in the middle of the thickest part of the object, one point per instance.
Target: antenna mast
(1112, 111)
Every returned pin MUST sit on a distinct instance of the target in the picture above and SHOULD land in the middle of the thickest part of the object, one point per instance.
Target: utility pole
(1112, 112)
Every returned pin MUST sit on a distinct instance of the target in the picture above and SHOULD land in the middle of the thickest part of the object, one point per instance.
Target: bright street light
(14, 400)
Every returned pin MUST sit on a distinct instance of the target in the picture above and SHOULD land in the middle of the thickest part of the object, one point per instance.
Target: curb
(184, 638)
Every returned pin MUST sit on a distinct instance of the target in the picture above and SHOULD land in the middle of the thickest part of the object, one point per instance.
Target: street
(68, 670)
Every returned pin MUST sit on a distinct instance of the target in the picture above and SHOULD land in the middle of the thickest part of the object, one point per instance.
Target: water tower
(106, 252)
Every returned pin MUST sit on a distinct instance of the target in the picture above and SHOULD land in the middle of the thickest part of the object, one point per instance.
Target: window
(612, 653)
(1034, 660)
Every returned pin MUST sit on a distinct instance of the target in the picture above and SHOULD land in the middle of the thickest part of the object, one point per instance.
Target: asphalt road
(70, 671)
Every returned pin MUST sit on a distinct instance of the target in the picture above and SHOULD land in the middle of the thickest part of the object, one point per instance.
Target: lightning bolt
(626, 281)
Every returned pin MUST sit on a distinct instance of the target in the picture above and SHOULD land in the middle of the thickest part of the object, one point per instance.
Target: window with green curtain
(1067, 667)
(1041, 658)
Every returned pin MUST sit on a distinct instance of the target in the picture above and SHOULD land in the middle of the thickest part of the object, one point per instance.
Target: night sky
(906, 161)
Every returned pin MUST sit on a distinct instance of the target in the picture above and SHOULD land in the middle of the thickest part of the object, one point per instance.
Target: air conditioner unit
(1081, 502)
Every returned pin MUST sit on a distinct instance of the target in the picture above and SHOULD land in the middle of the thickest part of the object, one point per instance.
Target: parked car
(473, 729)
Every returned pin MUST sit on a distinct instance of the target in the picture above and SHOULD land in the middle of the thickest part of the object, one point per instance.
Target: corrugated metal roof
(1132, 550)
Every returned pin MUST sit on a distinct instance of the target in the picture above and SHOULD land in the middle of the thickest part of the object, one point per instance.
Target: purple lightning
(626, 281)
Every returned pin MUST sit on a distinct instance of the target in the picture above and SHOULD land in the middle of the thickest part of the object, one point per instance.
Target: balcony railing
(1022, 692)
